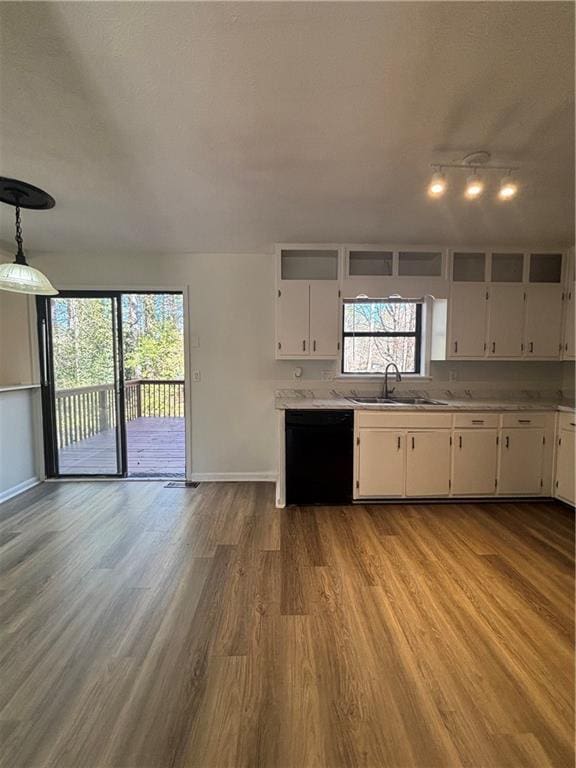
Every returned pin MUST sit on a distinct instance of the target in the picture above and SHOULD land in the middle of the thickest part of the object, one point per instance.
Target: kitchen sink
(395, 401)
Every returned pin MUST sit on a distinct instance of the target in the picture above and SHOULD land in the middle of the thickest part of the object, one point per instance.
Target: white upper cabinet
(568, 340)
(293, 319)
(324, 314)
(467, 320)
(543, 330)
(569, 348)
(505, 321)
(307, 302)
(428, 463)
(522, 314)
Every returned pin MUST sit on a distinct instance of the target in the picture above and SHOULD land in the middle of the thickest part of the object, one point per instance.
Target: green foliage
(83, 336)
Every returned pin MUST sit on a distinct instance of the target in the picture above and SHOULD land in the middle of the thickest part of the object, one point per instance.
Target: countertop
(344, 403)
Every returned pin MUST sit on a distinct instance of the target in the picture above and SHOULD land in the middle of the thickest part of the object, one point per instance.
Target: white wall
(18, 447)
(17, 352)
(231, 310)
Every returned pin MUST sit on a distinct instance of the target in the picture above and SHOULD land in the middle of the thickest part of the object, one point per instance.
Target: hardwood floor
(146, 627)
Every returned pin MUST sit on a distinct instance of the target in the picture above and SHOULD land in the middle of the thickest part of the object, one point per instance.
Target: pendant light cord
(20, 259)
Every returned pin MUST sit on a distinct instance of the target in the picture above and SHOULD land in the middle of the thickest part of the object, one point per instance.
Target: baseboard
(233, 477)
(20, 488)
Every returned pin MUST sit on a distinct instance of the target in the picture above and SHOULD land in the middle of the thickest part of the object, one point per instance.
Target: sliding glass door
(113, 383)
(82, 373)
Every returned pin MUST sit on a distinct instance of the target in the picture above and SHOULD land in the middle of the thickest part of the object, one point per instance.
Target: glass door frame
(44, 319)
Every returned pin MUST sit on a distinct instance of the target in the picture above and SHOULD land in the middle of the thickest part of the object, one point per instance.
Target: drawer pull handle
(493, 347)
(477, 421)
(399, 442)
(531, 346)
(303, 346)
(455, 346)
(573, 423)
(507, 442)
(314, 345)
(460, 441)
(524, 421)
(412, 443)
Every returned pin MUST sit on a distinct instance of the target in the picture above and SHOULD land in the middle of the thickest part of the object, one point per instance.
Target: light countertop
(344, 403)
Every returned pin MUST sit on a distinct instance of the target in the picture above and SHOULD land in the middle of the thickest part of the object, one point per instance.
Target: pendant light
(18, 276)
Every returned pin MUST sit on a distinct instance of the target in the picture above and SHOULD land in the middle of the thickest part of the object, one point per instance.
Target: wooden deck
(155, 449)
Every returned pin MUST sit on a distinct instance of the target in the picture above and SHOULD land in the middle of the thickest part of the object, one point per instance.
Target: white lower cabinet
(521, 462)
(418, 455)
(475, 462)
(565, 485)
(428, 463)
(381, 463)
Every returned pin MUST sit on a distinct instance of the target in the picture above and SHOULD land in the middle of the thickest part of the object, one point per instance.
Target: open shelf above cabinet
(420, 264)
(366, 263)
(468, 267)
(308, 264)
(507, 268)
(545, 268)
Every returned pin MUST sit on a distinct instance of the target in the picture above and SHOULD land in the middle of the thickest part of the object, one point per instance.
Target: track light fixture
(479, 164)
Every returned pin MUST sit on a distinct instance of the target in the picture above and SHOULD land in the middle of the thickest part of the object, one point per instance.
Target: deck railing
(84, 411)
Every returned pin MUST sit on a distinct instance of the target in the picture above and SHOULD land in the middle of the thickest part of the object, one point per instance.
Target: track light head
(508, 188)
(474, 187)
(437, 185)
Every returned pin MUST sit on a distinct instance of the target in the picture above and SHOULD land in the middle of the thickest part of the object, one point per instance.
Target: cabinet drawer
(478, 420)
(567, 421)
(405, 420)
(525, 420)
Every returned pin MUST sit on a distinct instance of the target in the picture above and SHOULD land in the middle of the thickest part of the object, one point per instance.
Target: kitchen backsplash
(455, 380)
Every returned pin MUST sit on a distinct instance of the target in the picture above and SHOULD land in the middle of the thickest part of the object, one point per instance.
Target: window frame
(416, 334)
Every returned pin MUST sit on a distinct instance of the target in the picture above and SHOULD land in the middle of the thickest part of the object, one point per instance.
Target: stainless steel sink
(395, 401)
(415, 401)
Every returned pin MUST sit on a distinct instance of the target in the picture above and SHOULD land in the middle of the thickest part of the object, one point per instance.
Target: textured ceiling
(229, 126)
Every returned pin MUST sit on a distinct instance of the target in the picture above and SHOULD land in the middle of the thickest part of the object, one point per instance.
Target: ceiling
(180, 127)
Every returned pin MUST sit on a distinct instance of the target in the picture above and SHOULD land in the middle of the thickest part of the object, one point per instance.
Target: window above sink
(377, 332)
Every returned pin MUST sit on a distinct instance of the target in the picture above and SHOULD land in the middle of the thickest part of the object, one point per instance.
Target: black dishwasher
(319, 457)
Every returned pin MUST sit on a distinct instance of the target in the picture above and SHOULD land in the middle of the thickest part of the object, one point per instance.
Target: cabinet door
(521, 455)
(293, 318)
(475, 455)
(569, 352)
(565, 481)
(428, 463)
(543, 320)
(505, 321)
(381, 461)
(467, 320)
(324, 312)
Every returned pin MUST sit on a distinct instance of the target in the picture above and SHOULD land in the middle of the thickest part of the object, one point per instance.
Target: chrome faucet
(385, 391)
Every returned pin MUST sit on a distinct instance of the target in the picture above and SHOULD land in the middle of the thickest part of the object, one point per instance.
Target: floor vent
(181, 484)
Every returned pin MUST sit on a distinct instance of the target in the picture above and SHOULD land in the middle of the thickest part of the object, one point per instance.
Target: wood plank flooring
(146, 627)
